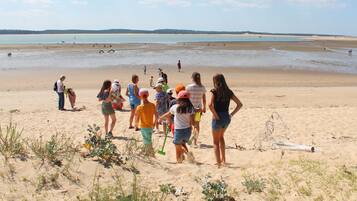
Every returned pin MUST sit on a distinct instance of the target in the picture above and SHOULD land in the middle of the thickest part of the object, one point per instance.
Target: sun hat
(169, 91)
(116, 81)
(158, 85)
(143, 92)
(160, 80)
(179, 87)
(183, 95)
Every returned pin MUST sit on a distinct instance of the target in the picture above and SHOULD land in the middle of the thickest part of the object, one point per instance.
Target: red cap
(183, 95)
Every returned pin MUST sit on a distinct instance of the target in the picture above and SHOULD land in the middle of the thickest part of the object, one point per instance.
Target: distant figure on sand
(145, 70)
(179, 66)
(133, 93)
(105, 96)
(71, 97)
(151, 81)
(144, 119)
(59, 88)
(219, 106)
(350, 52)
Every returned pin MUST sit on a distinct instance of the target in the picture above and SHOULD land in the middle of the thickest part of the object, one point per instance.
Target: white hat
(116, 81)
(158, 85)
(170, 91)
(160, 80)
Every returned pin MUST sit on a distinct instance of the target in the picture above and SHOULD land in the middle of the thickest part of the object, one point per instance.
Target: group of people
(180, 114)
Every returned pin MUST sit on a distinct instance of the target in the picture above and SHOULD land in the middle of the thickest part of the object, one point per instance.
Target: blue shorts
(182, 136)
(223, 122)
(134, 105)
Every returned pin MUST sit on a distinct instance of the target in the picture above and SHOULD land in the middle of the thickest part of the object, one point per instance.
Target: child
(184, 114)
(117, 97)
(145, 113)
(133, 93)
(161, 104)
(162, 81)
(219, 106)
(178, 89)
(104, 95)
(198, 99)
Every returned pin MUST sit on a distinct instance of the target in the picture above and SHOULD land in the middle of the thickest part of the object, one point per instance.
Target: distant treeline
(133, 31)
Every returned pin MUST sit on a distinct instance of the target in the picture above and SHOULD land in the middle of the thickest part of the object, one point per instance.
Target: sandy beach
(315, 108)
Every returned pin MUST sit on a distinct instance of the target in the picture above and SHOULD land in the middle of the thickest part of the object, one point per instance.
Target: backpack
(55, 87)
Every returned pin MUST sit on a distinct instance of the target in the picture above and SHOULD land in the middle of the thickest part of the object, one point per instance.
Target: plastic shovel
(161, 151)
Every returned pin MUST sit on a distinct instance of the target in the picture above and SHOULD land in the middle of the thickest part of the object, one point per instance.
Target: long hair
(184, 106)
(196, 77)
(134, 78)
(106, 85)
(221, 89)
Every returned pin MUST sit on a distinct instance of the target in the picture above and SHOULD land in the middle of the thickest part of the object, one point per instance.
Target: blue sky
(298, 16)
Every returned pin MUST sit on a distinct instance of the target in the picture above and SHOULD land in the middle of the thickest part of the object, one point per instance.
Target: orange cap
(179, 87)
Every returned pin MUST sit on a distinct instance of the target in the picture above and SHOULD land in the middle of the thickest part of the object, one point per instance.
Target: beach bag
(55, 86)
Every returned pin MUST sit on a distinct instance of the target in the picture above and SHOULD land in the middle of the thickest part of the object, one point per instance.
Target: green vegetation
(253, 184)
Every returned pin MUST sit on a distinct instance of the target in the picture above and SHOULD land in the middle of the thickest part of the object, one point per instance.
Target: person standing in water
(133, 93)
(221, 118)
(179, 66)
(105, 96)
(145, 70)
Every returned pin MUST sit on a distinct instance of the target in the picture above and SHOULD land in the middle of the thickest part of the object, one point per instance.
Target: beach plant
(55, 151)
(253, 184)
(117, 191)
(11, 143)
(214, 190)
(102, 148)
(47, 181)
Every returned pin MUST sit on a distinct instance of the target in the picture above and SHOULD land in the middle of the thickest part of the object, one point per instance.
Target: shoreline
(90, 78)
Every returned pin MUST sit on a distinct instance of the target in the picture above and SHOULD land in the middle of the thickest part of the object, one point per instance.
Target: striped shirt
(196, 93)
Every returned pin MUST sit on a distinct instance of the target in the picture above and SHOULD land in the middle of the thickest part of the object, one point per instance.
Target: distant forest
(133, 31)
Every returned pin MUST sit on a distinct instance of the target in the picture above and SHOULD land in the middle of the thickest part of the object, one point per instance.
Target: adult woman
(133, 93)
(198, 98)
(219, 106)
(105, 95)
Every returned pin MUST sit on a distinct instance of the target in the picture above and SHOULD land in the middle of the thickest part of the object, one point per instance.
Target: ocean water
(333, 61)
(132, 38)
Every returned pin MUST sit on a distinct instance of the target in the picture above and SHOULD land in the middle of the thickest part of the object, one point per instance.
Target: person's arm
(127, 91)
(156, 118)
(137, 118)
(167, 115)
(238, 107)
(211, 107)
(204, 103)
(136, 91)
(192, 119)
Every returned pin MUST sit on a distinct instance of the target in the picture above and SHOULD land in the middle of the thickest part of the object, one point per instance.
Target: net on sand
(275, 131)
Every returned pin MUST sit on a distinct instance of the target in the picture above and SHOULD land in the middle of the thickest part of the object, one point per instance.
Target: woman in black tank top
(219, 106)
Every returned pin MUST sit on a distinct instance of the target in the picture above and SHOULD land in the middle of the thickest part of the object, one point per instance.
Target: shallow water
(335, 61)
(133, 38)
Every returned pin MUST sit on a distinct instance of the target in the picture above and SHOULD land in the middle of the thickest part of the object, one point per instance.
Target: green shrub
(11, 143)
(253, 184)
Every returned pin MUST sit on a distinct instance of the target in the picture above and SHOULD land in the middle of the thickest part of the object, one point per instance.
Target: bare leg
(132, 114)
(185, 149)
(222, 146)
(216, 145)
(114, 120)
(196, 132)
(178, 153)
(106, 123)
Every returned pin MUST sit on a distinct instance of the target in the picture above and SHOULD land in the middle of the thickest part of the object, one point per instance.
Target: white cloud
(244, 3)
(183, 3)
(80, 2)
